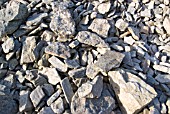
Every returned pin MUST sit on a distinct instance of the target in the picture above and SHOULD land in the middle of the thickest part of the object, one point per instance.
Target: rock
(8, 105)
(91, 71)
(129, 88)
(62, 22)
(91, 89)
(91, 39)
(129, 40)
(73, 63)
(121, 24)
(53, 97)
(78, 73)
(11, 17)
(48, 89)
(37, 95)
(67, 89)
(74, 44)
(58, 106)
(134, 32)
(58, 64)
(162, 68)
(166, 24)
(27, 55)
(146, 13)
(51, 74)
(12, 64)
(100, 26)
(163, 78)
(9, 81)
(2, 73)
(58, 49)
(39, 80)
(8, 45)
(103, 8)
(4, 90)
(102, 105)
(35, 19)
(46, 110)
(128, 59)
(25, 103)
(168, 104)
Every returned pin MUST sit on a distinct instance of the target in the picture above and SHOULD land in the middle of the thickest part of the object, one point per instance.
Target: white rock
(121, 24)
(103, 8)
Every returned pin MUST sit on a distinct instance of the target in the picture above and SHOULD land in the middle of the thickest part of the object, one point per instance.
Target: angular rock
(134, 32)
(163, 78)
(91, 89)
(8, 45)
(51, 74)
(58, 49)
(103, 8)
(37, 95)
(166, 24)
(53, 97)
(102, 105)
(58, 64)
(168, 104)
(73, 63)
(146, 13)
(91, 39)
(129, 88)
(100, 26)
(27, 55)
(67, 89)
(77, 73)
(162, 68)
(48, 89)
(121, 24)
(58, 106)
(91, 71)
(12, 64)
(46, 110)
(129, 40)
(25, 103)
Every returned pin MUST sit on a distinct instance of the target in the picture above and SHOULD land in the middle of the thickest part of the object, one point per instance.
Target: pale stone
(166, 24)
(103, 8)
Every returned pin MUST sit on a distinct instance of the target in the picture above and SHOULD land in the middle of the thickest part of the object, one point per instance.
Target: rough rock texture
(166, 24)
(130, 88)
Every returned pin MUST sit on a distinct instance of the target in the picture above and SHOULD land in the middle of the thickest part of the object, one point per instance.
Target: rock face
(11, 17)
(62, 22)
(132, 92)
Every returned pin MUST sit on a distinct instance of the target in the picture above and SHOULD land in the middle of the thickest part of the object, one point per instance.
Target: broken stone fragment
(102, 105)
(58, 106)
(91, 89)
(166, 24)
(134, 32)
(8, 45)
(27, 55)
(48, 89)
(46, 110)
(121, 24)
(129, 88)
(37, 95)
(62, 22)
(91, 39)
(91, 72)
(53, 97)
(103, 8)
(163, 78)
(67, 89)
(77, 73)
(129, 40)
(162, 68)
(58, 49)
(100, 26)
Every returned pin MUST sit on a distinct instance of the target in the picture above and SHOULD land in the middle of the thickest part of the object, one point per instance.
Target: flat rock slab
(102, 105)
(58, 49)
(132, 92)
(91, 39)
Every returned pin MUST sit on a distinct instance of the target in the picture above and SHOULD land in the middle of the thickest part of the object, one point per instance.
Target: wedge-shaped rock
(100, 26)
(58, 49)
(91, 39)
(132, 92)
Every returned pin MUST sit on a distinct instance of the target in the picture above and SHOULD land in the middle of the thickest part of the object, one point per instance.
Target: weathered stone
(78, 73)
(58, 64)
(3, 72)
(74, 44)
(103, 8)
(129, 40)
(166, 24)
(91, 72)
(4, 90)
(25, 103)
(162, 68)
(46, 110)
(102, 105)
(129, 88)
(58, 49)
(53, 97)
(91, 39)
(58, 106)
(121, 24)
(62, 22)
(37, 95)
(48, 89)
(51, 74)
(27, 55)
(39, 80)
(9, 81)
(91, 89)
(134, 32)
(100, 26)
(8, 45)
(73, 63)
(146, 13)
(163, 78)
(168, 104)
(12, 64)
(67, 89)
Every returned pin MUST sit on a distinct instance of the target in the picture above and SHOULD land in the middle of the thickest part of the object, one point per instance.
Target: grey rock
(134, 32)
(58, 64)
(67, 89)
(58, 49)
(129, 88)
(128, 59)
(103, 8)
(9, 81)
(25, 103)
(121, 24)
(163, 78)
(91, 39)
(46, 110)
(8, 45)
(37, 95)
(102, 105)
(48, 89)
(2, 72)
(58, 106)
(91, 72)
(53, 97)
(4, 90)
(100, 26)
(13, 63)
(74, 44)
(39, 80)
(166, 24)
(73, 63)
(27, 55)
(78, 73)
(91, 89)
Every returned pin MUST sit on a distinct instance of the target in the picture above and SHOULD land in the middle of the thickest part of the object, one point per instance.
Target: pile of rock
(85, 57)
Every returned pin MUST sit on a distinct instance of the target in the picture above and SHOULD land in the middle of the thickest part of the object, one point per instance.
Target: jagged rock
(166, 24)
(58, 106)
(37, 95)
(72, 63)
(121, 24)
(91, 89)
(163, 78)
(129, 88)
(8, 45)
(39, 80)
(48, 89)
(53, 97)
(62, 22)
(46, 110)
(25, 103)
(58, 49)
(162, 68)
(129, 40)
(77, 73)
(51, 74)
(103, 8)
(11, 17)
(100, 26)
(58, 64)
(67, 89)
(27, 55)
(91, 39)
(91, 72)
(102, 105)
